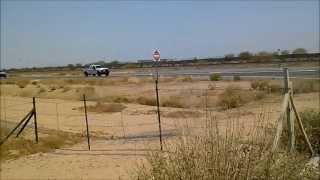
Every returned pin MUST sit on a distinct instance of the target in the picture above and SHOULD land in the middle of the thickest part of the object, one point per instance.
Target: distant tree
(78, 65)
(264, 53)
(299, 51)
(275, 53)
(229, 56)
(285, 52)
(71, 66)
(245, 55)
(263, 56)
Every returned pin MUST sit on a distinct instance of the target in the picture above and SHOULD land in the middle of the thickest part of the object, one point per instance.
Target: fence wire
(181, 111)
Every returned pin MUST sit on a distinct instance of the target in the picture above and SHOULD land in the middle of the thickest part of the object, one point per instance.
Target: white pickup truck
(96, 70)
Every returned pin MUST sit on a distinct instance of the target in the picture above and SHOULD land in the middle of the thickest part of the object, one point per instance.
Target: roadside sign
(156, 55)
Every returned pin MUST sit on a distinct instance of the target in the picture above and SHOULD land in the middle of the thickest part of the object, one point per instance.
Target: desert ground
(122, 120)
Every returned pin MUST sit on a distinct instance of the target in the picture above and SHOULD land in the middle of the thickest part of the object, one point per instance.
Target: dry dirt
(120, 140)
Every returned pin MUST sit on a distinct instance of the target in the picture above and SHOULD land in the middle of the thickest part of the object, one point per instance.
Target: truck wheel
(86, 74)
(107, 73)
(99, 74)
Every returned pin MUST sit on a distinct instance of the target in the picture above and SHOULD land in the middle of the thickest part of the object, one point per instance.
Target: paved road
(312, 73)
(243, 72)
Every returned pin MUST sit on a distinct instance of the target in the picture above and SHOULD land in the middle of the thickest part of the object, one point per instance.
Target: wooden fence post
(305, 137)
(280, 121)
(86, 116)
(290, 122)
(35, 118)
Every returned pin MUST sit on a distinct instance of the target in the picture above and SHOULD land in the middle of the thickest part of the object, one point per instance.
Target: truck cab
(95, 69)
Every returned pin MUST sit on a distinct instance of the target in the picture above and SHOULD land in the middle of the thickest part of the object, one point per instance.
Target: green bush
(311, 121)
(236, 78)
(215, 77)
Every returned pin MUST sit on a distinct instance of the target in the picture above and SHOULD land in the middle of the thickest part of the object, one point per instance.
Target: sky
(51, 33)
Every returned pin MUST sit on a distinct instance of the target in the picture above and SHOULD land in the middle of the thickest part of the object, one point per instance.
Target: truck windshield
(97, 66)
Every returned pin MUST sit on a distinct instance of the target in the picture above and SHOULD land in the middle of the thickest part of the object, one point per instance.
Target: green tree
(263, 56)
(229, 56)
(285, 52)
(245, 55)
(299, 51)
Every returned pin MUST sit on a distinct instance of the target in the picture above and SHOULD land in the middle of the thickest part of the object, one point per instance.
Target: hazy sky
(48, 33)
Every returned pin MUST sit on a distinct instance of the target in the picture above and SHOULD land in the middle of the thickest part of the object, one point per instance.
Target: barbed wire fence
(136, 122)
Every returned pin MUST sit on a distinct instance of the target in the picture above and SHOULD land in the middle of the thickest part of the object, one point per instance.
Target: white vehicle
(96, 70)
(3, 74)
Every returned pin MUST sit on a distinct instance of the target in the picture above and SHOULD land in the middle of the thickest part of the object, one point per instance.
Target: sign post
(156, 58)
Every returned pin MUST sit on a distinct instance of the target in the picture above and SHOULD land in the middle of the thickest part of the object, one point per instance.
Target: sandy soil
(120, 140)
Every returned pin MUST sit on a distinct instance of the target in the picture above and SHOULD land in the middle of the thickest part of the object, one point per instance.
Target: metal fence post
(35, 118)
(86, 117)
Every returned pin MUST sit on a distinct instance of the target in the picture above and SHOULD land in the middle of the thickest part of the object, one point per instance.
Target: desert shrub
(215, 155)
(212, 86)
(22, 83)
(22, 146)
(172, 101)
(88, 91)
(186, 79)
(236, 78)
(215, 77)
(121, 99)
(183, 114)
(4, 81)
(66, 88)
(146, 101)
(233, 96)
(52, 88)
(42, 90)
(105, 108)
(260, 85)
(264, 85)
(275, 88)
(34, 83)
(306, 86)
(259, 95)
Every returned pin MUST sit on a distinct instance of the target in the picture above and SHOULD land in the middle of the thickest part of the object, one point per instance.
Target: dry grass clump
(184, 79)
(172, 101)
(17, 147)
(182, 114)
(264, 85)
(5, 81)
(218, 155)
(22, 83)
(234, 96)
(146, 101)
(28, 93)
(35, 82)
(87, 90)
(42, 90)
(105, 108)
(306, 85)
(66, 88)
